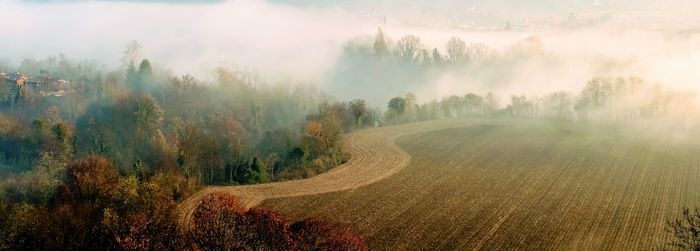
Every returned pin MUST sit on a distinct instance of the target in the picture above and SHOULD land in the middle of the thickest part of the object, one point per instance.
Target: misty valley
(349, 125)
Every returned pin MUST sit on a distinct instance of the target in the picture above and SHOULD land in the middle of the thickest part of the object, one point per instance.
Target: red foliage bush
(319, 235)
(220, 223)
(217, 223)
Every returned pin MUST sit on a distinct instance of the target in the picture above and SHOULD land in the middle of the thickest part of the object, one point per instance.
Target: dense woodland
(106, 164)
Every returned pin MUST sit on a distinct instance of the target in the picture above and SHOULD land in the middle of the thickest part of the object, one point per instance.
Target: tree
(91, 179)
(527, 47)
(398, 105)
(320, 136)
(408, 49)
(521, 106)
(411, 105)
(147, 113)
(477, 52)
(132, 79)
(423, 57)
(491, 103)
(558, 105)
(456, 50)
(381, 48)
(145, 72)
(474, 104)
(7, 93)
(132, 53)
(189, 150)
(63, 141)
(437, 58)
(359, 112)
(452, 106)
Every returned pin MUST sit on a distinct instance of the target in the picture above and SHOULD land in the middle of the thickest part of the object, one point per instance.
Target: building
(16, 78)
(42, 86)
(49, 86)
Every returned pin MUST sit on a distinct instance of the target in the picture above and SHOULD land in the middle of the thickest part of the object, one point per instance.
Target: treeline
(386, 66)
(604, 99)
(236, 130)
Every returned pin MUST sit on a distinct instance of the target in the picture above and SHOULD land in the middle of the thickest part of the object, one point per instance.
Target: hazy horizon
(303, 40)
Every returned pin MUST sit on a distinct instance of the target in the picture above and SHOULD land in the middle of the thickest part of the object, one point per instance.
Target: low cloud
(279, 40)
(287, 40)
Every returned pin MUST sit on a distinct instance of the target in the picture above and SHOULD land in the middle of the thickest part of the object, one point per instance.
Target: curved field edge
(374, 155)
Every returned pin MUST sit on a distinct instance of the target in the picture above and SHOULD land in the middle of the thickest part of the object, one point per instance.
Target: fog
(304, 40)
(189, 38)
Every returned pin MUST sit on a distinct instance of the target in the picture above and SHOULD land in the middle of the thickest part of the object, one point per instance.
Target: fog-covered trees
(603, 99)
(408, 49)
(474, 104)
(147, 121)
(522, 107)
(558, 105)
(478, 53)
(132, 53)
(408, 64)
(381, 48)
(361, 113)
(456, 50)
(105, 165)
(624, 99)
(141, 78)
(396, 109)
(437, 58)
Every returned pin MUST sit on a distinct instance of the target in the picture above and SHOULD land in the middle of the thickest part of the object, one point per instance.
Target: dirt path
(374, 156)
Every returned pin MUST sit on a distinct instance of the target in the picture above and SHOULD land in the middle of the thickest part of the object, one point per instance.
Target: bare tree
(477, 52)
(409, 48)
(558, 105)
(456, 50)
(132, 53)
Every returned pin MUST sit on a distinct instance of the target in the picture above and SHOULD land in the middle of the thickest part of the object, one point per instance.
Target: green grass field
(497, 185)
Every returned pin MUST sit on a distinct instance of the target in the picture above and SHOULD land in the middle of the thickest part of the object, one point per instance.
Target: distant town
(37, 86)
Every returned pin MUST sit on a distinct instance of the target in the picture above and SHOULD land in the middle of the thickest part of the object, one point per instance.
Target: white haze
(303, 43)
(189, 38)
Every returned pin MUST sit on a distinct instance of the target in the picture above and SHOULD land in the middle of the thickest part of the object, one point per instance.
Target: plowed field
(497, 185)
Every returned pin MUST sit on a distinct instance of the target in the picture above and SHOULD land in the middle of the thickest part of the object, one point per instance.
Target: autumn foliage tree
(90, 180)
(96, 208)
